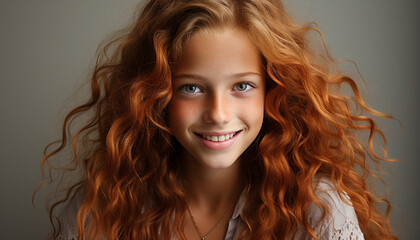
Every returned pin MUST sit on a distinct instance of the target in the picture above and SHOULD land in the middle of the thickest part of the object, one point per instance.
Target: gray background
(47, 49)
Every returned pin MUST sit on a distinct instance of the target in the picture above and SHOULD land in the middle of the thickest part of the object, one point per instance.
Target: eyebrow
(199, 77)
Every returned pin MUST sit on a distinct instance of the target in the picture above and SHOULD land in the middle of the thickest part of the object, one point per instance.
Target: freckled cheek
(253, 111)
(182, 114)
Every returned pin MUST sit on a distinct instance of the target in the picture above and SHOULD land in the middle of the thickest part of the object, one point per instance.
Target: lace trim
(349, 231)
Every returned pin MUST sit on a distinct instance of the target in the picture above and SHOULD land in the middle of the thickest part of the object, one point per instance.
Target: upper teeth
(220, 138)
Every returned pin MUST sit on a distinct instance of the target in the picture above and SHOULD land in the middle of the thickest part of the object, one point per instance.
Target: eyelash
(184, 87)
(248, 87)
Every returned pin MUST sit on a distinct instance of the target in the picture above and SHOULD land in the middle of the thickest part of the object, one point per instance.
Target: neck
(212, 189)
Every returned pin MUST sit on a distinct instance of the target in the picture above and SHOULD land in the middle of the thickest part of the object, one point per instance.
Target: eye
(190, 88)
(243, 86)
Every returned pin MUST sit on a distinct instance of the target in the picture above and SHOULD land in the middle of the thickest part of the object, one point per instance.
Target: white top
(341, 223)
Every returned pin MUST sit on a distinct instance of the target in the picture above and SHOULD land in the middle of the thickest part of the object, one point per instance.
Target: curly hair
(130, 182)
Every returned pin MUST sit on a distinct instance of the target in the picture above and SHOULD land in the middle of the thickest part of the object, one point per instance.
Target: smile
(219, 138)
(218, 141)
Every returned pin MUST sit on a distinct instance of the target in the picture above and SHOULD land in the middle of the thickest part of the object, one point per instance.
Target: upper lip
(216, 133)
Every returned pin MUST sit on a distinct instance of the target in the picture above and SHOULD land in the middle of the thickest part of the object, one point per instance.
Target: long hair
(130, 183)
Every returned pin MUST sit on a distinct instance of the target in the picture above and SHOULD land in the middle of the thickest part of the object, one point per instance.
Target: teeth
(220, 138)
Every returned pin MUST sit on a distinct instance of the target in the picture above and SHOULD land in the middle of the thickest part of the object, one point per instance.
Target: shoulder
(67, 218)
(340, 221)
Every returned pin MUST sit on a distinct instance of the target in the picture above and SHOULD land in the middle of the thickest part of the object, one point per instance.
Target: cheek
(253, 112)
(181, 114)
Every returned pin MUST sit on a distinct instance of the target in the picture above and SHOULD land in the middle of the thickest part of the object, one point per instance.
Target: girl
(215, 120)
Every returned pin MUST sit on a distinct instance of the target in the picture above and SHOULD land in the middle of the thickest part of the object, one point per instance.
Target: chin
(219, 162)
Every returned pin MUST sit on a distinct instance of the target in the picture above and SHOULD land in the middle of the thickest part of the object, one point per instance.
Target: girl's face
(217, 107)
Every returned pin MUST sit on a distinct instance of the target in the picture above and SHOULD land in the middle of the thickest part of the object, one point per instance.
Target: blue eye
(243, 86)
(190, 88)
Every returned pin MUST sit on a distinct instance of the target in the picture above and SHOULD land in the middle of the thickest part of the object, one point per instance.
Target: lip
(216, 133)
(217, 145)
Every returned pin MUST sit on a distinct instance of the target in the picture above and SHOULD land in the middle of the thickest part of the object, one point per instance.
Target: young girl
(215, 120)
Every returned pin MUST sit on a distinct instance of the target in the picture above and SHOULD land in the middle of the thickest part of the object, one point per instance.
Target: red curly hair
(130, 181)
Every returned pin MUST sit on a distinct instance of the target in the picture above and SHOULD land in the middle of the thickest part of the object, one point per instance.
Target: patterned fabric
(340, 224)
(349, 231)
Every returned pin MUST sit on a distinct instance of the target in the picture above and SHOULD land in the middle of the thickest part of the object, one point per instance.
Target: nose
(217, 109)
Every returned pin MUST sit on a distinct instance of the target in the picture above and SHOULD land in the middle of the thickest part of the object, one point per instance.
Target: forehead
(219, 52)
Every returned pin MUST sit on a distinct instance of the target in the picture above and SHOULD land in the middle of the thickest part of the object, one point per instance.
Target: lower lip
(218, 145)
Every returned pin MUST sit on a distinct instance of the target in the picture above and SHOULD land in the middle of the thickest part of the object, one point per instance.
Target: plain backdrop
(47, 48)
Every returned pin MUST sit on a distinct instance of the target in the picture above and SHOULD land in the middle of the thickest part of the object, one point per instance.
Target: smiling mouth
(218, 138)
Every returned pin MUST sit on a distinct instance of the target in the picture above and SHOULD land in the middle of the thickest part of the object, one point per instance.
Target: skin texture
(219, 88)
